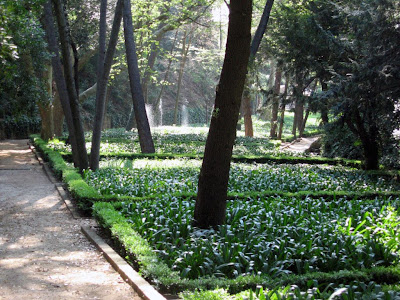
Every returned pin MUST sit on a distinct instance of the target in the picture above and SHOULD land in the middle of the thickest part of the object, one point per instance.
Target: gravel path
(43, 254)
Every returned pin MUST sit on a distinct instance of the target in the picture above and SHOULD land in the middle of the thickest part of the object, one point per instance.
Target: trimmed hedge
(236, 158)
(142, 255)
(87, 195)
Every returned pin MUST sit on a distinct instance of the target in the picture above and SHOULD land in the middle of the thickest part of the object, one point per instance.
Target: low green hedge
(151, 267)
(87, 195)
(235, 158)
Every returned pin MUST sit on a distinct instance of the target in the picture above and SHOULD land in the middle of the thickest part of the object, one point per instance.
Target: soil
(43, 254)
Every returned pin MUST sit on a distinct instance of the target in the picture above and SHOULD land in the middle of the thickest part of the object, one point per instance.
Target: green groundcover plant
(271, 236)
(141, 178)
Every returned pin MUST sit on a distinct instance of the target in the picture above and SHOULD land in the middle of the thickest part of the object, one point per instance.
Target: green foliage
(141, 178)
(273, 236)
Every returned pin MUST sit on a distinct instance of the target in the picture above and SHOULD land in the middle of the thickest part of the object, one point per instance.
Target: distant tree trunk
(70, 86)
(151, 60)
(157, 102)
(324, 108)
(303, 125)
(275, 103)
(255, 44)
(282, 109)
(104, 68)
(369, 140)
(213, 181)
(46, 106)
(145, 138)
(185, 50)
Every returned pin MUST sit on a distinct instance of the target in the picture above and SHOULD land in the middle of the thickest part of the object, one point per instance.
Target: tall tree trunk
(100, 100)
(275, 103)
(151, 60)
(282, 109)
(59, 78)
(58, 115)
(324, 108)
(104, 68)
(145, 138)
(157, 102)
(255, 44)
(213, 181)
(70, 87)
(185, 50)
(46, 106)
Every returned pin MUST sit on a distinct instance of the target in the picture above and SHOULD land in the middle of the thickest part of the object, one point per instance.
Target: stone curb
(141, 286)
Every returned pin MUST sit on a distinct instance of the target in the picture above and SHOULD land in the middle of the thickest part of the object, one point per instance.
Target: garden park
(183, 151)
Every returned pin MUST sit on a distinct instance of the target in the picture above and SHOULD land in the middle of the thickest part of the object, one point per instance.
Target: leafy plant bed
(142, 178)
(272, 242)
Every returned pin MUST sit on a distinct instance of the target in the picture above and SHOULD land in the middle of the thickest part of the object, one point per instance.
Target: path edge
(141, 286)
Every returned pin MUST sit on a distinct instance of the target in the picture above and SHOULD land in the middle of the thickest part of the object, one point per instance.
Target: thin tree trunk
(59, 78)
(145, 138)
(46, 107)
(185, 50)
(255, 44)
(154, 51)
(104, 65)
(70, 87)
(275, 103)
(324, 108)
(157, 102)
(213, 181)
(303, 125)
(282, 109)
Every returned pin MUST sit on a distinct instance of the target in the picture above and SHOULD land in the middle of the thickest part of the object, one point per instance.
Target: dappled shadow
(43, 254)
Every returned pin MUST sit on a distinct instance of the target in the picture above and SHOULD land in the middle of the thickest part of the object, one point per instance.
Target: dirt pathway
(43, 254)
(300, 145)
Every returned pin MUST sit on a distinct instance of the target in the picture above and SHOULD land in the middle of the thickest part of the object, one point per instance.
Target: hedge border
(142, 255)
(153, 268)
(87, 195)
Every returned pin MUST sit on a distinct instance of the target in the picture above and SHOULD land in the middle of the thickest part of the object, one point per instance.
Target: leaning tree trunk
(79, 135)
(145, 138)
(158, 100)
(59, 78)
(255, 44)
(275, 103)
(213, 181)
(104, 63)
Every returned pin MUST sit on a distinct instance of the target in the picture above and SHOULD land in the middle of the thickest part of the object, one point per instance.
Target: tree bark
(157, 103)
(58, 115)
(145, 138)
(282, 109)
(275, 103)
(213, 180)
(255, 44)
(59, 78)
(70, 88)
(104, 68)
(46, 107)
